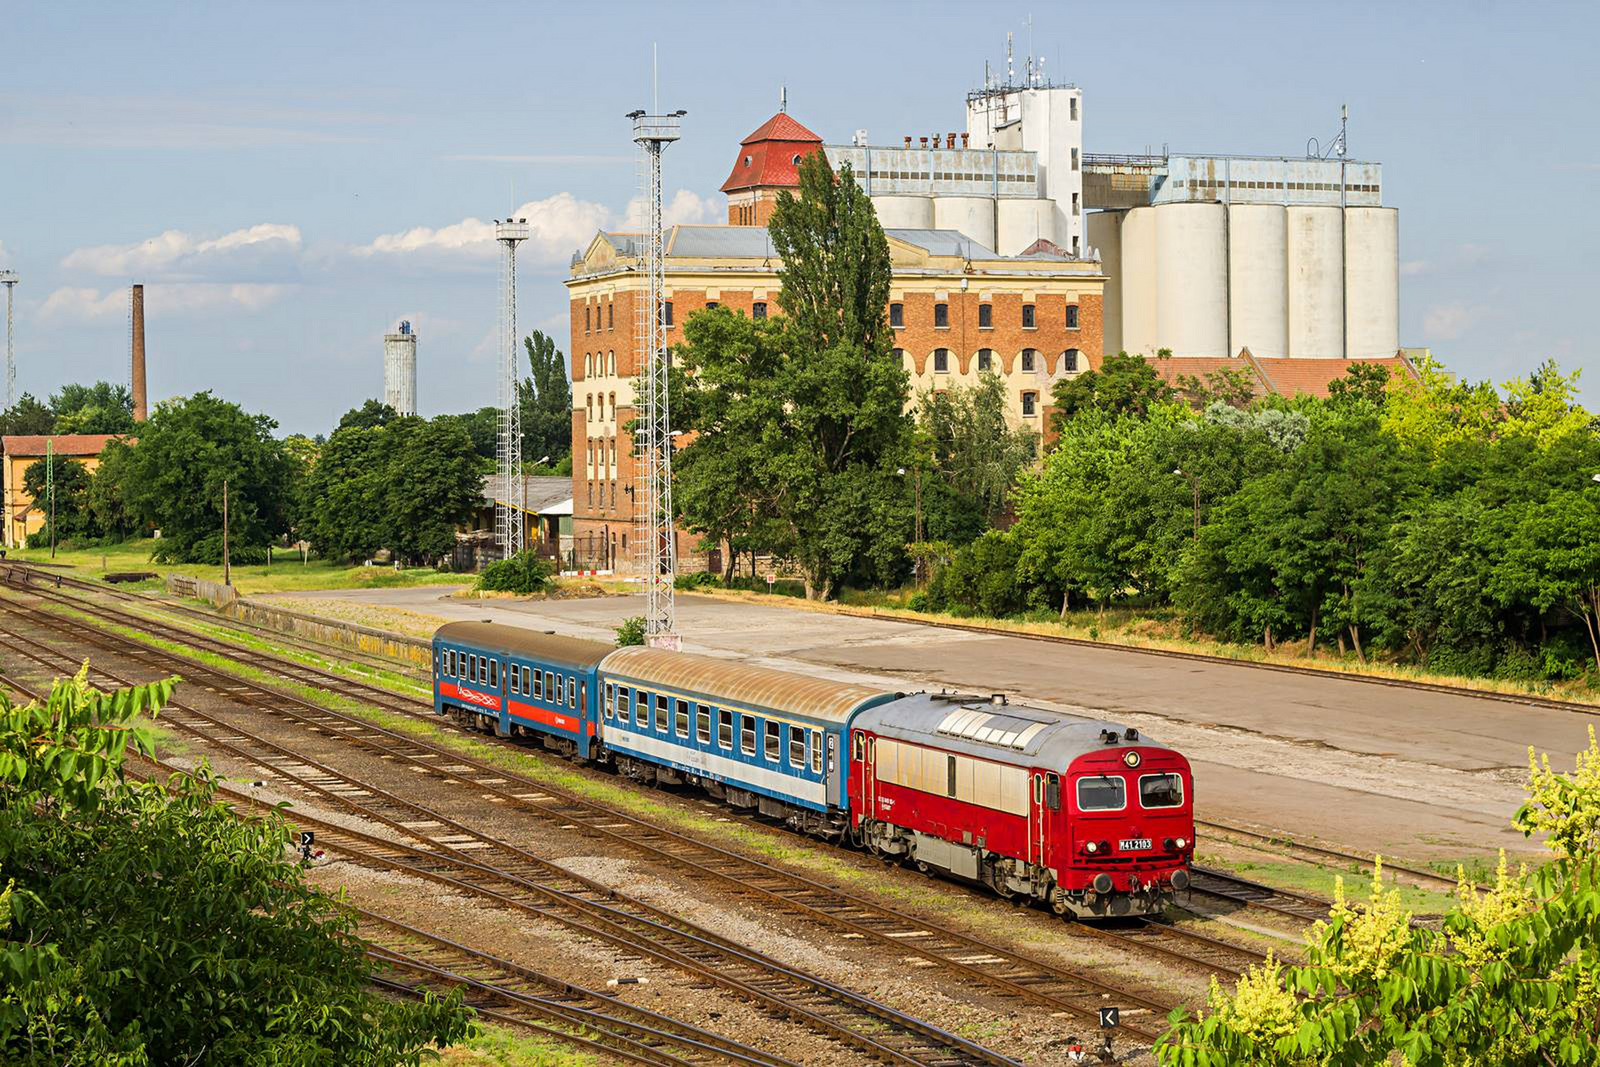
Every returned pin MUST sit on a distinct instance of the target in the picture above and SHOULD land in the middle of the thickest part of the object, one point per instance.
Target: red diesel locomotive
(1032, 803)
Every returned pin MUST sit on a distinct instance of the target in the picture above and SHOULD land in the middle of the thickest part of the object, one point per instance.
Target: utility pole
(9, 279)
(50, 487)
(227, 573)
(511, 505)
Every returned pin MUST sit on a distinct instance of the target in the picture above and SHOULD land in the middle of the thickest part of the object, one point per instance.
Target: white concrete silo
(1315, 246)
(1139, 294)
(904, 212)
(1192, 279)
(400, 370)
(972, 215)
(1372, 281)
(1258, 286)
(1023, 222)
(1104, 230)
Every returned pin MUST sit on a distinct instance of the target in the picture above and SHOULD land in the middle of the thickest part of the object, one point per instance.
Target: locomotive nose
(1102, 883)
(1180, 879)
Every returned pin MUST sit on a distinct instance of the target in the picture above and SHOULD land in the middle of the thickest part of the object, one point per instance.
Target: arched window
(589, 403)
(588, 365)
(1070, 356)
(613, 407)
(985, 360)
(1029, 359)
(611, 363)
(586, 313)
(941, 361)
(900, 356)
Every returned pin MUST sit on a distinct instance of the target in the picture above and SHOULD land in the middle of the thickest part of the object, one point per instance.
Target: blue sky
(289, 180)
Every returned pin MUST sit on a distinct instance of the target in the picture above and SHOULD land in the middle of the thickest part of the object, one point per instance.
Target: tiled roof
(66, 444)
(1283, 376)
(771, 156)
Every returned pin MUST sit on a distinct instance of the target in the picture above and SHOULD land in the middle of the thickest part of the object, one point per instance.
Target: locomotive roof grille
(976, 724)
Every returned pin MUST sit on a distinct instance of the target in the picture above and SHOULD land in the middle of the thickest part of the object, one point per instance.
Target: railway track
(740, 874)
(1008, 973)
(430, 846)
(1287, 843)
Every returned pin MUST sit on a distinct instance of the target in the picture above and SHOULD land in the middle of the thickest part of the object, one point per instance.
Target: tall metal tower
(510, 507)
(9, 279)
(654, 537)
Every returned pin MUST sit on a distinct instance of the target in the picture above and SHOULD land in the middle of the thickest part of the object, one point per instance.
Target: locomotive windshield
(1104, 793)
(1160, 790)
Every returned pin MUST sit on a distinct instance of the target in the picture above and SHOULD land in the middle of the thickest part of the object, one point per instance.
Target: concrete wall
(1192, 278)
(1315, 245)
(1258, 288)
(1105, 236)
(1372, 281)
(972, 215)
(1022, 222)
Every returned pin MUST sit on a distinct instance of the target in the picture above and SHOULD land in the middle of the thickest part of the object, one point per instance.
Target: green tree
(981, 579)
(369, 416)
(108, 491)
(345, 495)
(174, 482)
(974, 451)
(99, 408)
(1508, 979)
(1123, 385)
(145, 924)
(1363, 381)
(432, 484)
(546, 400)
(483, 428)
(73, 517)
(27, 418)
(1553, 558)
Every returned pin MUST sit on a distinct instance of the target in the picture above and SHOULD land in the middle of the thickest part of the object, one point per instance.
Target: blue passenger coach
(755, 737)
(519, 682)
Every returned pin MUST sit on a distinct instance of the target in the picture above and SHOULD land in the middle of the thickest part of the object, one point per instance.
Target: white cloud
(558, 226)
(1463, 257)
(83, 303)
(1445, 322)
(267, 251)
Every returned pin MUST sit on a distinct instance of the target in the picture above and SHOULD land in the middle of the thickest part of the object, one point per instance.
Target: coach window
(661, 714)
(477, 669)
(1052, 791)
(797, 747)
(611, 701)
(681, 718)
(549, 686)
(702, 724)
(1103, 793)
(561, 690)
(747, 734)
(538, 685)
(624, 712)
(1160, 790)
(772, 743)
(724, 728)
(816, 752)
(573, 694)
(858, 745)
(494, 674)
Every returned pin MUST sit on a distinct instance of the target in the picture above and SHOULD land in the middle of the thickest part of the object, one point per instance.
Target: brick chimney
(140, 405)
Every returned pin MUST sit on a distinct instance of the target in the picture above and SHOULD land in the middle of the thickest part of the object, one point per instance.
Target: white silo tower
(400, 370)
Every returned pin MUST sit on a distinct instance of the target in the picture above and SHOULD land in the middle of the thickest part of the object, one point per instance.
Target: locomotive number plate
(1134, 844)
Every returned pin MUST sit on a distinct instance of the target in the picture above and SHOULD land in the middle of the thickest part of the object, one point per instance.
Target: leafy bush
(524, 573)
(697, 580)
(631, 632)
(981, 579)
(918, 601)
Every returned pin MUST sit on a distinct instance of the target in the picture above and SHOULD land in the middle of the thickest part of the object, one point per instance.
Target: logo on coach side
(478, 698)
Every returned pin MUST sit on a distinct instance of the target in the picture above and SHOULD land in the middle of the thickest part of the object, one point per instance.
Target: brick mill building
(958, 309)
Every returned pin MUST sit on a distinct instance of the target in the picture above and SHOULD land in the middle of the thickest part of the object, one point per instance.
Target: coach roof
(525, 643)
(736, 683)
(1007, 733)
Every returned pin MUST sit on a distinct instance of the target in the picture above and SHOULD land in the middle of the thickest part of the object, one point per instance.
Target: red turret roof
(771, 155)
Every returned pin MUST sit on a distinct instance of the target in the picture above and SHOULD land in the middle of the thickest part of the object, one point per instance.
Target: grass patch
(498, 1046)
(1322, 881)
(286, 574)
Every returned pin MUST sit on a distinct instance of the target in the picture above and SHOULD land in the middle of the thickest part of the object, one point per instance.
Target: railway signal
(307, 839)
(1110, 1018)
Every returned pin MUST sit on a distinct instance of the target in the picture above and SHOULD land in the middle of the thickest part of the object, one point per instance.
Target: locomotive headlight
(1091, 848)
(1131, 758)
(1182, 843)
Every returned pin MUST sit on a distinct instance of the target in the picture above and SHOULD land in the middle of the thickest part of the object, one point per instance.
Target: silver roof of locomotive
(1007, 733)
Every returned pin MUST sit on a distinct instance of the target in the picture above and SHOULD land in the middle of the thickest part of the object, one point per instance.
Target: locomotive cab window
(702, 724)
(747, 735)
(1161, 790)
(724, 728)
(858, 745)
(772, 744)
(1102, 793)
(950, 776)
(1052, 791)
(681, 718)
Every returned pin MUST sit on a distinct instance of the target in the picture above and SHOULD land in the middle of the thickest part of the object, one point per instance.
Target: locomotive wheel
(923, 868)
(1058, 904)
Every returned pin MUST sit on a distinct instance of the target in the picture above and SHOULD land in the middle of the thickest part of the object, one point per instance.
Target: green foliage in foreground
(525, 573)
(1512, 978)
(149, 925)
(631, 632)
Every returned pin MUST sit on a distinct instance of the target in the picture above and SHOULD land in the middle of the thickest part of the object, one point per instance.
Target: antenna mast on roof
(783, 99)
(655, 537)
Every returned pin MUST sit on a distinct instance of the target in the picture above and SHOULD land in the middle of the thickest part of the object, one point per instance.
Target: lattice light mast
(9, 279)
(655, 540)
(510, 505)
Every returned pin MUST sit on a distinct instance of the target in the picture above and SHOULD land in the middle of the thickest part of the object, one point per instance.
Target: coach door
(1039, 819)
